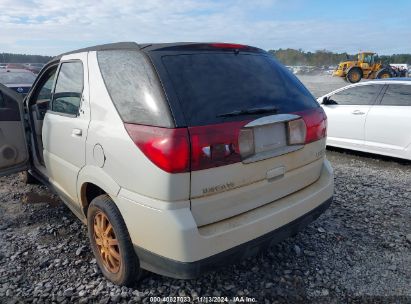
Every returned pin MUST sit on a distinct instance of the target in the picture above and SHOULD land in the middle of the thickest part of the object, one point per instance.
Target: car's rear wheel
(111, 243)
(354, 75)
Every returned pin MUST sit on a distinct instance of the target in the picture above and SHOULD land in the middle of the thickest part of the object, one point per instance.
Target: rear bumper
(190, 270)
(168, 241)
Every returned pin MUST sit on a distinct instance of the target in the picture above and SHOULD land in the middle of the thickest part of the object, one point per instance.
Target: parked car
(179, 157)
(15, 66)
(34, 67)
(17, 80)
(373, 116)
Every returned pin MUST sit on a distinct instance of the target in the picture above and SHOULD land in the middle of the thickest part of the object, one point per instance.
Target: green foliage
(285, 56)
(327, 58)
(396, 58)
(23, 58)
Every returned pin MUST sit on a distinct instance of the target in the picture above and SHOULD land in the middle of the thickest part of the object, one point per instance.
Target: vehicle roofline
(405, 81)
(101, 47)
(129, 45)
(395, 80)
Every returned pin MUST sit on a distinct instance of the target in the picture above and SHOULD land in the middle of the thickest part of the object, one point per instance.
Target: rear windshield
(16, 78)
(209, 85)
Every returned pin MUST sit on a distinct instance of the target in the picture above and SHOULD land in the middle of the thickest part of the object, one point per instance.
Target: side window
(69, 88)
(367, 59)
(45, 91)
(361, 95)
(397, 95)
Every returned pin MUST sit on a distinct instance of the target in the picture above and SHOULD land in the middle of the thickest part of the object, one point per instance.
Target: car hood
(22, 88)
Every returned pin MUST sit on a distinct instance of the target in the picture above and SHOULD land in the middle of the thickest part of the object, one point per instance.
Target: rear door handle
(77, 132)
(358, 112)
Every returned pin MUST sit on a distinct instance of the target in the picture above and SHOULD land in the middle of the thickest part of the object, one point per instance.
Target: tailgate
(223, 192)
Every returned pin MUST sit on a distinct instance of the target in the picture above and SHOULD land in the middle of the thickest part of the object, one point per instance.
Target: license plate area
(269, 137)
(266, 137)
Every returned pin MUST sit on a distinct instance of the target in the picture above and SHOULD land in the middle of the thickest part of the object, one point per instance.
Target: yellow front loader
(367, 66)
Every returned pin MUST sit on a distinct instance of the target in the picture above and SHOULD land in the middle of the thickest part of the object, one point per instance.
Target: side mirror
(328, 101)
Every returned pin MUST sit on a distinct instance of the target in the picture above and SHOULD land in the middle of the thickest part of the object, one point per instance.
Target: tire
(118, 261)
(354, 75)
(29, 179)
(384, 74)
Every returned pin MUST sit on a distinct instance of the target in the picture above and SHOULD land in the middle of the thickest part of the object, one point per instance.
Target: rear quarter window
(134, 87)
(210, 84)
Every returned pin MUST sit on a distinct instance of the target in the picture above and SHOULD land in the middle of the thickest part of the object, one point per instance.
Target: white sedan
(372, 116)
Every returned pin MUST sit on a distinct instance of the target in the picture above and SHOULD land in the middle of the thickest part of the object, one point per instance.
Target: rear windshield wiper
(251, 111)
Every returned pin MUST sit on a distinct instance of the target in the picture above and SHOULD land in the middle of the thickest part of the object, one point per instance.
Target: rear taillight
(215, 145)
(169, 149)
(316, 124)
(197, 148)
(297, 132)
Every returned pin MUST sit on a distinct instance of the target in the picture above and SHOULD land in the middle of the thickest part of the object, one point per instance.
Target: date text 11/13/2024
(187, 299)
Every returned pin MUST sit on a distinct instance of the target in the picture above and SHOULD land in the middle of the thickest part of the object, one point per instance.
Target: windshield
(210, 85)
(16, 78)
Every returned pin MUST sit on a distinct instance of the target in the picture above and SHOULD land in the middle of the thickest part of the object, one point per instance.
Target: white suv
(179, 157)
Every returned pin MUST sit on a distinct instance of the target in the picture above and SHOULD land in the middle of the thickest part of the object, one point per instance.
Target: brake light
(215, 145)
(229, 46)
(169, 149)
(316, 123)
(202, 147)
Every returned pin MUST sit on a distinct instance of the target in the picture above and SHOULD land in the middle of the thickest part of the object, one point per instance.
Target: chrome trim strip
(272, 119)
(272, 153)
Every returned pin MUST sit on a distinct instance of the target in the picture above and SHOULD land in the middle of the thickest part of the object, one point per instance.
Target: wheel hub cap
(107, 243)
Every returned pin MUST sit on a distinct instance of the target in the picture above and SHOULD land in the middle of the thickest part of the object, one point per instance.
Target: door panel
(346, 124)
(347, 112)
(66, 123)
(388, 127)
(13, 146)
(388, 124)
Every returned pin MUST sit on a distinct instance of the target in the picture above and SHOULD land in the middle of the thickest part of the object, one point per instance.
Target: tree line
(23, 58)
(285, 56)
(327, 58)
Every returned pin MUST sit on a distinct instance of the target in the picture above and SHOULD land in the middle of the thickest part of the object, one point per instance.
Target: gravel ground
(320, 85)
(359, 250)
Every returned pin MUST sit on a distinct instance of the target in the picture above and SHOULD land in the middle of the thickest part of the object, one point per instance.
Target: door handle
(77, 132)
(358, 112)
